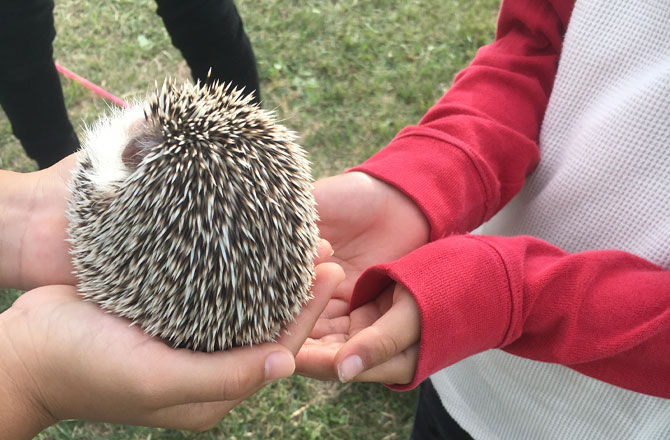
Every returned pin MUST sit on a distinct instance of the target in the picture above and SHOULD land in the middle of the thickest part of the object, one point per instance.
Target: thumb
(394, 332)
(328, 277)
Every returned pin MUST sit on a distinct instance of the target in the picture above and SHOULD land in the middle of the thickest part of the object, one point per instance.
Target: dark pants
(209, 34)
(432, 421)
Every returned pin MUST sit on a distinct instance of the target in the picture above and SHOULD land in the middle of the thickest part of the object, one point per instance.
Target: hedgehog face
(105, 143)
(192, 215)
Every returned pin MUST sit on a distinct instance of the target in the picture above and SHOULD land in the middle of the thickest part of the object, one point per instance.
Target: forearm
(603, 313)
(20, 415)
(15, 205)
(470, 153)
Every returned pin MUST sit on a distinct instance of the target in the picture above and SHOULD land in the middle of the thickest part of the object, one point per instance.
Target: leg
(210, 34)
(432, 422)
(30, 90)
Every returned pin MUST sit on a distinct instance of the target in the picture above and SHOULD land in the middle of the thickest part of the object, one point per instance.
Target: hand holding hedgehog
(65, 358)
(252, 265)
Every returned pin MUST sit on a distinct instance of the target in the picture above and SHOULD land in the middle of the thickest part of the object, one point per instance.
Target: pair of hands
(67, 359)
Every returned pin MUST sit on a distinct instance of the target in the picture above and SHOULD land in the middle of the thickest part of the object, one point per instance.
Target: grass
(347, 76)
(295, 408)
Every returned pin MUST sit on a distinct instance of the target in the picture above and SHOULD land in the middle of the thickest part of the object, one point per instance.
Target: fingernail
(349, 368)
(278, 365)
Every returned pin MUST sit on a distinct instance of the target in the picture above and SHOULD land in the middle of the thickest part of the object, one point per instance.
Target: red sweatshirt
(603, 313)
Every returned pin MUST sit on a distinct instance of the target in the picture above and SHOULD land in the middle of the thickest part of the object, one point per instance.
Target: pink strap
(89, 85)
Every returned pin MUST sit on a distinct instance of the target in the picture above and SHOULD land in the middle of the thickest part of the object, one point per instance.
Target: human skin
(367, 222)
(63, 357)
(33, 246)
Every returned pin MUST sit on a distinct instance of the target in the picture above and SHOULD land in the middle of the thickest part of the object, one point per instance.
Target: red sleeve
(604, 313)
(470, 153)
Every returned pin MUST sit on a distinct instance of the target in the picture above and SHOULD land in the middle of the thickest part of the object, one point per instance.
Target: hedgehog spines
(208, 239)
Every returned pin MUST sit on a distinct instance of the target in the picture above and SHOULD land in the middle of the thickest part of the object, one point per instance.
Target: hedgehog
(191, 214)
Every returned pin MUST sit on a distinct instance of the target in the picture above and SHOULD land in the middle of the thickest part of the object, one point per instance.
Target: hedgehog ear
(137, 149)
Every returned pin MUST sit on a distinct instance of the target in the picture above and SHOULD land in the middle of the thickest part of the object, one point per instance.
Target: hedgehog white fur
(192, 215)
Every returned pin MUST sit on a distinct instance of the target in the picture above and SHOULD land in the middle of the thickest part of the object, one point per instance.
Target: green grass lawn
(347, 76)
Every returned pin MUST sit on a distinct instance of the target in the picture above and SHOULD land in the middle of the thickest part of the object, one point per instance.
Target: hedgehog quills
(192, 215)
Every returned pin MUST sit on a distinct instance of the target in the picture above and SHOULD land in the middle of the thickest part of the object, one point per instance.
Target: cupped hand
(380, 345)
(68, 359)
(367, 222)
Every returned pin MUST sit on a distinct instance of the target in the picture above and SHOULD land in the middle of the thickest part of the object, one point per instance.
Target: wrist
(34, 250)
(410, 214)
(403, 209)
(16, 200)
(22, 415)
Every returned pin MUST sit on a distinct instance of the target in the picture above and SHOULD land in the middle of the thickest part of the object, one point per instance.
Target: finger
(398, 370)
(316, 359)
(323, 252)
(336, 307)
(183, 376)
(367, 314)
(328, 276)
(235, 373)
(325, 327)
(394, 332)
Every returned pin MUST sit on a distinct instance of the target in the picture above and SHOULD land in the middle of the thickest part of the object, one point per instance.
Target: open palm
(367, 222)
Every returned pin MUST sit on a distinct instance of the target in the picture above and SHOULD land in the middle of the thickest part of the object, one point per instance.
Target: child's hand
(381, 343)
(367, 222)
